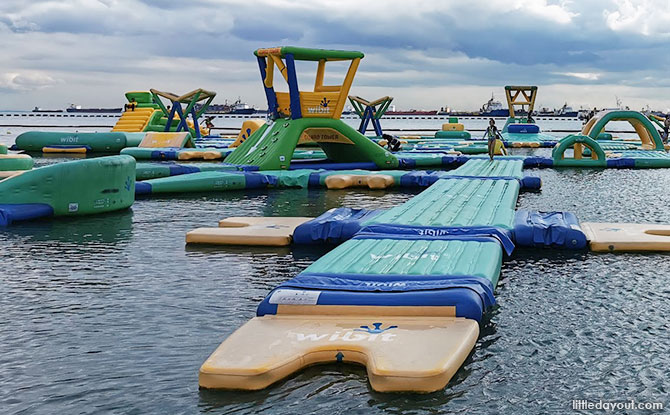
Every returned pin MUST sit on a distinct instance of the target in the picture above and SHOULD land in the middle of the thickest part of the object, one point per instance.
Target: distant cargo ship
(493, 108)
(566, 111)
(237, 107)
(78, 108)
(411, 112)
(38, 109)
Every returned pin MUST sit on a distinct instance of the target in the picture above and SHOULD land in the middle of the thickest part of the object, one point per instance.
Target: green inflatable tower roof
(308, 54)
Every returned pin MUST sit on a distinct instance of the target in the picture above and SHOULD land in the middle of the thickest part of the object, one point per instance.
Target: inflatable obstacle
(583, 151)
(646, 132)
(167, 139)
(143, 114)
(80, 142)
(306, 116)
(67, 189)
(453, 130)
(248, 128)
(370, 112)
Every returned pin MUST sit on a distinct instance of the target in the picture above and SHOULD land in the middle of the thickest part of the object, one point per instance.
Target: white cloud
(647, 17)
(26, 81)
(587, 76)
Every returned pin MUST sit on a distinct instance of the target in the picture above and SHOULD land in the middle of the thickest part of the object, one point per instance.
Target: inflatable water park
(402, 290)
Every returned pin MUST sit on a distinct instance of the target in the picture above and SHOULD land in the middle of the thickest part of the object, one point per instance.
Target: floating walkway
(218, 177)
(403, 297)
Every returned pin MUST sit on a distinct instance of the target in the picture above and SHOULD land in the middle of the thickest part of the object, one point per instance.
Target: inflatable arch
(578, 143)
(650, 138)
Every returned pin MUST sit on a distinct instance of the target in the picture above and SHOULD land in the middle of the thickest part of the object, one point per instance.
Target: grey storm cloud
(73, 45)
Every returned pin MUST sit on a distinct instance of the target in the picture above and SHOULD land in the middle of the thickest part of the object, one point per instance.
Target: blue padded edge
(404, 163)
(164, 154)
(621, 163)
(142, 188)
(309, 164)
(523, 128)
(420, 178)
(548, 229)
(531, 183)
(258, 181)
(479, 233)
(23, 211)
(470, 295)
(333, 226)
(541, 162)
(179, 169)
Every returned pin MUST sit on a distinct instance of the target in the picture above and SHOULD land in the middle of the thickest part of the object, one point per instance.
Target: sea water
(114, 314)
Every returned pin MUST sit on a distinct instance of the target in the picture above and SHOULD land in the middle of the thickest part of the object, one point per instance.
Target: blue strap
(478, 233)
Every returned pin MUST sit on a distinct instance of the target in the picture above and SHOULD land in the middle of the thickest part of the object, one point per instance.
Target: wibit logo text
(318, 110)
(362, 334)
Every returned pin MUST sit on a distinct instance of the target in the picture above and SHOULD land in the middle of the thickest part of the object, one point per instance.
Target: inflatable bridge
(403, 297)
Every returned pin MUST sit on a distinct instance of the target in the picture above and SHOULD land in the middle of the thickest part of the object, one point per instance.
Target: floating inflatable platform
(146, 171)
(261, 231)
(207, 181)
(72, 188)
(68, 142)
(332, 227)
(613, 237)
(403, 296)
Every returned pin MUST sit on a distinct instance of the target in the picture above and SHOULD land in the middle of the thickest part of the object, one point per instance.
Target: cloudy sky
(427, 54)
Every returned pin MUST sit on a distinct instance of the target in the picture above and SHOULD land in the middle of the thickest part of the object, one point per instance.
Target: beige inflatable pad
(277, 231)
(374, 181)
(401, 353)
(609, 237)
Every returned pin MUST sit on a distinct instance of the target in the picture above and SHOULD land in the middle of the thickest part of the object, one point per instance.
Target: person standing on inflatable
(494, 139)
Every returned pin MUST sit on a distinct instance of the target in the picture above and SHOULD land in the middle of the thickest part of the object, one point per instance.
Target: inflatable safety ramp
(407, 309)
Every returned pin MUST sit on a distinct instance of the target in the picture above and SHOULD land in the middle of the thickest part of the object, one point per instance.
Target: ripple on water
(113, 314)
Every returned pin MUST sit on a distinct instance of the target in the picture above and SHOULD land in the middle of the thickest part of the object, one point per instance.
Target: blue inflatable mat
(23, 211)
(548, 229)
(523, 128)
(334, 226)
(469, 295)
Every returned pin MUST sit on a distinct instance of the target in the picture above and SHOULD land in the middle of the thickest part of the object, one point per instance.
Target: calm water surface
(113, 314)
